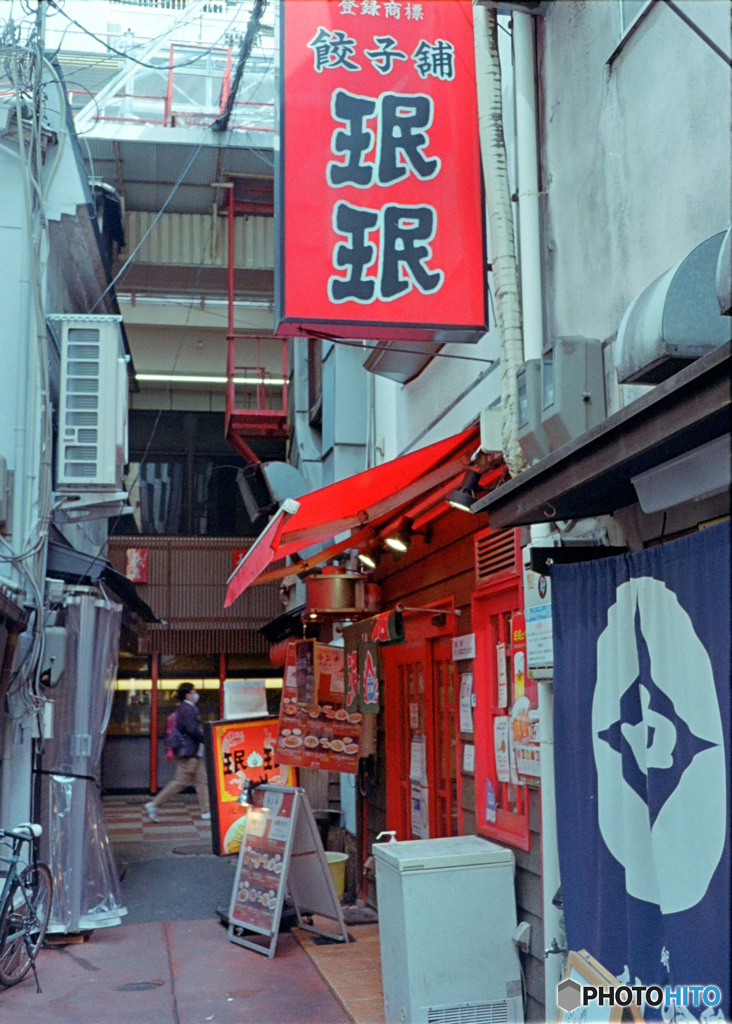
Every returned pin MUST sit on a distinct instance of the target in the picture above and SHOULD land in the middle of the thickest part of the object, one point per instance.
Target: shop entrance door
(421, 708)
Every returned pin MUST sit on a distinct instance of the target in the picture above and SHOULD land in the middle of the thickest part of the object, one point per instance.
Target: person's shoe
(152, 811)
(206, 816)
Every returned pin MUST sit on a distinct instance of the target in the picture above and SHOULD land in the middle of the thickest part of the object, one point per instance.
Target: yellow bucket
(337, 865)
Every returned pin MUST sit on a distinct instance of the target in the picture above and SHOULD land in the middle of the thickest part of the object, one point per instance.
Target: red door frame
(423, 636)
(489, 603)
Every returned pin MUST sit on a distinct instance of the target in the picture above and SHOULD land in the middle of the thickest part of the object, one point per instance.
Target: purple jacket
(188, 724)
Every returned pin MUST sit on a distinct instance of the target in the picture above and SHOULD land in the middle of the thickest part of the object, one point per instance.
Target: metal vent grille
(495, 555)
(80, 444)
(469, 1013)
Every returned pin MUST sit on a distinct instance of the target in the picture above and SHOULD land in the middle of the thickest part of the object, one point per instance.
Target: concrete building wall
(635, 154)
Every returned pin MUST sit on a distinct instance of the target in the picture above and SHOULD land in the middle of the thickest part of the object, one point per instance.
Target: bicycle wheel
(23, 923)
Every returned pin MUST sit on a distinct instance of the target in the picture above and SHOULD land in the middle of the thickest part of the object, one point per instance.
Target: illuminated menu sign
(380, 208)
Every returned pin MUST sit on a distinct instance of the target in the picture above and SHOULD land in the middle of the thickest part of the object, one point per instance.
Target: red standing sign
(380, 206)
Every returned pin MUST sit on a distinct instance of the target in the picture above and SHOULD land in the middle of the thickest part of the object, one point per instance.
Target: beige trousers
(189, 771)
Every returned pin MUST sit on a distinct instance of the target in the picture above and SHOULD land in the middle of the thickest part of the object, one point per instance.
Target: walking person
(188, 747)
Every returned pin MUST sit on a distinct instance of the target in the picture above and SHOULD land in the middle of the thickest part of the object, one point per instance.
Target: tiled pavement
(179, 820)
(352, 972)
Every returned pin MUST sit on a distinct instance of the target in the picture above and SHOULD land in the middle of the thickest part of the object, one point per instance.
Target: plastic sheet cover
(85, 879)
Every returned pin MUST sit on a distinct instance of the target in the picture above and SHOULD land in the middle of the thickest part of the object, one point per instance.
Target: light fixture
(369, 557)
(247, 790)
(464, 496)
(190, 378)
(398, 540)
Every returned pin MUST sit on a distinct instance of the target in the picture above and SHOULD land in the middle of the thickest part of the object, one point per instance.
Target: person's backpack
(173, 738)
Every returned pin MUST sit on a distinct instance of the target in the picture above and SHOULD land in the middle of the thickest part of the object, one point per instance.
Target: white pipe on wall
(554, 963)
(528, 184)
(500, 215)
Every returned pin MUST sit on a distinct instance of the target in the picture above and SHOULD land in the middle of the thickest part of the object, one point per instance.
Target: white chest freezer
(447, 914)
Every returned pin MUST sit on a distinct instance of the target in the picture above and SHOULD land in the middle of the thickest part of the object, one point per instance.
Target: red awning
(259, 555)
(353, 503)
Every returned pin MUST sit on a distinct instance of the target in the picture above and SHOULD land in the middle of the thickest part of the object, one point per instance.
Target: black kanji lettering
(406, 232)
(402, 138)
(356, 224)
(435, 59)
(383, 58)
(240, 760)
(356, 141)
(333, 50)
(228, 770)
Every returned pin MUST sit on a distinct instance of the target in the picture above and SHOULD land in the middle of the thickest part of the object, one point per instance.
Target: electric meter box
(531, 436)
(447, 914)
(572, 389)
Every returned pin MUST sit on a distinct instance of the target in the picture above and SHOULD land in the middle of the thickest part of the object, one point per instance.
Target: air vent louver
(496, 554)
(474, 1013)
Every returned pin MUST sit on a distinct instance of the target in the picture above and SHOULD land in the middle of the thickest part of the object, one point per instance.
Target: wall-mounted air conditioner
(92, 416)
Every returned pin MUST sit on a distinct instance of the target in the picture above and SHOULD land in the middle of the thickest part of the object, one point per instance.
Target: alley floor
(170, 962)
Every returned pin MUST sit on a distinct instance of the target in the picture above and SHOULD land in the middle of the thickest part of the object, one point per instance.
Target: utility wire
(142, 63)
(255, 17)
(139, 245)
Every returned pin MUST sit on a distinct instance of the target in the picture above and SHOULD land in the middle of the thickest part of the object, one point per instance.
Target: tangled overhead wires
(144, 64)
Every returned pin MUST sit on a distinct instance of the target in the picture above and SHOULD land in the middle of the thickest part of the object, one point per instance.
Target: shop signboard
(281, 852)
(380, 225)
(237, 751)
(538, 610)
(318, 732)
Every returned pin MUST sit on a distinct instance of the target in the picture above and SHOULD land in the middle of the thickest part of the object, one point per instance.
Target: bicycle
(25, 905)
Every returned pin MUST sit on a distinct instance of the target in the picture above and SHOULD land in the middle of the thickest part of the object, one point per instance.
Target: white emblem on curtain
(669, 861)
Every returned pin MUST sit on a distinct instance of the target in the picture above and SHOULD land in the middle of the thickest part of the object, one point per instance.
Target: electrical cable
(142, 63)
(405, 351)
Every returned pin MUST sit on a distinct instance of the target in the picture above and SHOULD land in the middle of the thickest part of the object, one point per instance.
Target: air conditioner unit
(542, 7)
(92, 416)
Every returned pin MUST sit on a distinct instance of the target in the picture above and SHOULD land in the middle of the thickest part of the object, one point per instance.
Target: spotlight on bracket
(369, 557)
(464, 495)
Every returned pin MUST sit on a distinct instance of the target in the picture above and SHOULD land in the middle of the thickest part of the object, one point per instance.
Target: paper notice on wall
(466, 711)
(502, 676)
(501, 743)
(414, 717)
(418, 760)
(469, 758)
(490, 802)
(419, 799)
(244, 698)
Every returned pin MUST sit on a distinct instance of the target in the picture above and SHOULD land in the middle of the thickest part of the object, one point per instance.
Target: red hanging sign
(380, 208)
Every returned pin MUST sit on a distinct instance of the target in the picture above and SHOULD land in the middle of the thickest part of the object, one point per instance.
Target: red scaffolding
(266, 415)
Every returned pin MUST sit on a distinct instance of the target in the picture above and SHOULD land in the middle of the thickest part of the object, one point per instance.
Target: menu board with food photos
(281, 852)
(315, 729)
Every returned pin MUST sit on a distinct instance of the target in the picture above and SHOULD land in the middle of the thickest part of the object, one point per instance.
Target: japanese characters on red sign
(381, 211)
(240, 751)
